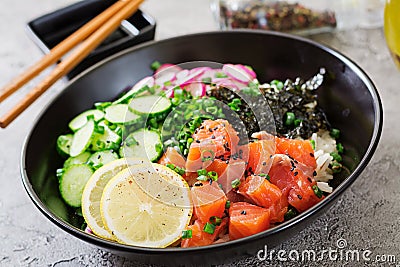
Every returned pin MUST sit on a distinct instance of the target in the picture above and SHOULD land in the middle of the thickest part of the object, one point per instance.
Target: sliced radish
(204, 69)
(196, 89)
(210, 73)
(236, 73)
(169, 92)
(167, 68)
(226, 82)
(165, 77)
(190, 78)
(247, 70)
(182, 74)
(146, 81)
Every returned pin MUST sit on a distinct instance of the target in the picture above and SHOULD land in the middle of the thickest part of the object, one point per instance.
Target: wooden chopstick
(106, 24)
(60, 50)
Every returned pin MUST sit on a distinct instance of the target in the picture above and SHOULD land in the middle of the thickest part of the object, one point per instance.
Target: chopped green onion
(312, 144)
(212, 110)
(130, 141)
(90, 117)
(153, 123)
(234, 104)
(159, 148)
(189, 141)
(291, 213)
(234, 107)
(336, 167)
(151, 90)
(202, 172)
(99, 129)
(206, 80)
(205, 158)
(215, 220)
(220, 75)
(335, 133)
(227, 204)
(119, 130)
(336, 156)
(178, 170)
(289, 118)
(267, 177)
(209, 228)
(236, 101)
(155, 65)
(167, 83)
(213, 175)
(317, 191)
(102, 105)
(235, 183)
(171, 166)
(187, 234)
(112, 126)
(278, 84)
(297, 122)
(339, 147)
(100, 145)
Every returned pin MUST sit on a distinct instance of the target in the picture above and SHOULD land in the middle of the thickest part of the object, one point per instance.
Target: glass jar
(299, 17)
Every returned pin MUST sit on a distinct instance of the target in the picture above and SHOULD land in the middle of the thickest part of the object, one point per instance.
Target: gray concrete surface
(366, 217)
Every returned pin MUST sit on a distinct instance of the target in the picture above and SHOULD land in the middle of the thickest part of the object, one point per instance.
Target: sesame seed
(295, 173)
(299, 196)
(243, 212)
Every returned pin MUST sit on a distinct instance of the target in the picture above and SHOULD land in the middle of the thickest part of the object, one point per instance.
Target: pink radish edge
(149, 81)
(236, 73)
(167, 68)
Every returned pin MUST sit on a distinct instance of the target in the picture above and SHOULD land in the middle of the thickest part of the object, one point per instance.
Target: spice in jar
(275, 16)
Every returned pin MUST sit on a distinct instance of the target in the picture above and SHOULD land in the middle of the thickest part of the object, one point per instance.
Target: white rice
(324, 145)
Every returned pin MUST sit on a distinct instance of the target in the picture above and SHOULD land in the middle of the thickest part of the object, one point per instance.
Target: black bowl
(351, 102)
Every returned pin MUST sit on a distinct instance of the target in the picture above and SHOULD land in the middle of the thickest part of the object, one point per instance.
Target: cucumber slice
(73, 182)
(139, 88)
(80, 120)
(80, 159)
(120, 114)
(101, 158)
(82, 139)
(150, 105)
(109, 140)
(64, 144)
(142, 143)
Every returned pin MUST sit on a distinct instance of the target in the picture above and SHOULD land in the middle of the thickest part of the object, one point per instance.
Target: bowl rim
(377, 131)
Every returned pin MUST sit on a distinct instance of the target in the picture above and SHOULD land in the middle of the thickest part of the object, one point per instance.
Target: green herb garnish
(187, 234)
(235, 183)
(215, 220)
(335, 133)
(317, 191)
(155, 65)
(209, 228)
(289, 118)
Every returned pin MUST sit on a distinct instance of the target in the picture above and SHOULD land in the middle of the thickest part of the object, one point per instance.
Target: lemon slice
(146, 205)
(94, 189)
